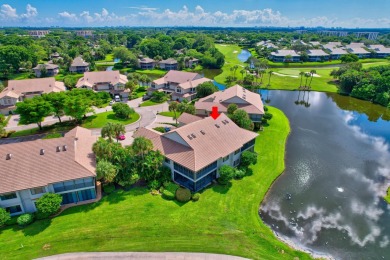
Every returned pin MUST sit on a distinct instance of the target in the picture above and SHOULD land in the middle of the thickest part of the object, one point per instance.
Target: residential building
(336, 53)
(79, 65)
(65, 166)
(360, 52)
(380, 50)
(195, 151)
(168, 64)
(191, 62)
(179, 84)
(38, 33)
(108, 81)
(355, 45)
(284, 56)
(18, 90)
(317, 55)
(332, 45)
(314, 43)
(146, 63)
(84, 33)
(55, 55)
(185, 119)
(243, 98)
(49, 68)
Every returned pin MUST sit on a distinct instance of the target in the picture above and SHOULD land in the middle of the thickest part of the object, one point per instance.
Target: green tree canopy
(241, 118)
(106, 171)
(33, 110)
(205, 89)
(122, 110)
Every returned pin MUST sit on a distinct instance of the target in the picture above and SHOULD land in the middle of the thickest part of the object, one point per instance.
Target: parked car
(117, 98)
(145, 97)
(121, 137)
(167, 129)
(111, 102)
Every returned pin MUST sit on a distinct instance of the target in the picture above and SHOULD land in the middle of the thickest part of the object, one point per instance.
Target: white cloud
(68, 16)
(7, 12)
(31, 12)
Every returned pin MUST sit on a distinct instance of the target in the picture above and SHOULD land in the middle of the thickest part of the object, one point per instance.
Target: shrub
(11, 221)
(108, 188)
(239, 173)
(154, 185)
(168, 195)
(264, 121)
(226, 173)
(154, 192)
(48, 204)
(122, 110)
(4, 216)
(265, 108)
(160, 129)
(141, 89)
(195, 197)
(248, 158)
(25, 219)
(183, 194)
(267, 116)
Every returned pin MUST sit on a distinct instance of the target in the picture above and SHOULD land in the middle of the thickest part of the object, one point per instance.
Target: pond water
(116, 60)
(244, 55)
(330, 198)
(109, 68)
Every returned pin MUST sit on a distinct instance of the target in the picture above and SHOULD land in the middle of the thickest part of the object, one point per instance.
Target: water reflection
(337, 172)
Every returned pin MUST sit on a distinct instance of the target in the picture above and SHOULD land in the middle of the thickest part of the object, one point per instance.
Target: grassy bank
(148, 103)
(170, 113)
(230, 52)
(224, 220)
(101, 119)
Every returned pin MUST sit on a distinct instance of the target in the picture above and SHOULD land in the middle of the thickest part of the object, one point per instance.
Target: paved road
(142, 255)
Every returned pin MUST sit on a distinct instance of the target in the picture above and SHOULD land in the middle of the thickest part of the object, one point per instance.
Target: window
(192, 90)
(8, 196)
(225, 158)
(178, 90)
(14, 209)
(38, 190)
(73, 184)
(237, 151)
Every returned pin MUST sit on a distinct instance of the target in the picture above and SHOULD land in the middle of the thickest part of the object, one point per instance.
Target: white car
(117, 99)
(111, 102)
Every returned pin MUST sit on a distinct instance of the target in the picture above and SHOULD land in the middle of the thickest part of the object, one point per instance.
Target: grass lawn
(101, 119)
(21, 75)
(152, 72)
(169, 113)
(231, 59)
(148, 103)
(387, 198)
(76, 77)
(52, 129)
(225, 220)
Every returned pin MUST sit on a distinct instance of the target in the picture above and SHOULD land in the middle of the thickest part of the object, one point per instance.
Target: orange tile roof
(186, 118)
(92, 78)
(176, 77)
(200, 143)
(28, 169)
(44, 85)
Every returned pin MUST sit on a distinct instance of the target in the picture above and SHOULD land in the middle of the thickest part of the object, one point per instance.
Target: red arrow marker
(214, 114)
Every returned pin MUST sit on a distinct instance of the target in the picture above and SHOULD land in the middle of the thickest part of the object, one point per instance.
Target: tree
(141, 146)
(312, 72)
(3, 132)
(125, 55)
(248, 158)
(241, 118)
(301, 74)
(307, 75)
(173, 107)
(77, 107)
(48, 204)
(150, 165)
(33, 110)
(269, 79)
(105, 150)
(185, 107)
(106, 171)
(113, 130)
(158, 97)
(348, 80)
(232, 108)
(130, 85)
(349, 58)
(57, 102)
(122, 110)
(4, 216)
(226, 174)
(205, 89)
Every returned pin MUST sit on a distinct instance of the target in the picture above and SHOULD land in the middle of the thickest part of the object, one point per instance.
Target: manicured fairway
(225, 220)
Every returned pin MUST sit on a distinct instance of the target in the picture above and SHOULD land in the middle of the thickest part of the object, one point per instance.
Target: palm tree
(118, 130)
(235, 69)
(141, 146)
(301, 74)
(113, 130)
(307, 75)
(312, 72)
(173, 108)
(147, 80)
(269, 79)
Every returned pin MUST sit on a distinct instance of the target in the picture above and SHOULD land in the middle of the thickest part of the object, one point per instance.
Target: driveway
(143, 255)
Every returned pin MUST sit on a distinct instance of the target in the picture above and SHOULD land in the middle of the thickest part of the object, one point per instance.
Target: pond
(244, 55)
(330, 200)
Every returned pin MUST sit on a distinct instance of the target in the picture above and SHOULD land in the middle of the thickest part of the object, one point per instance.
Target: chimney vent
(217, 126)
(42, 152)
(193, 136)
(189, 137)
(202, 132)
(8, 156)
(64, 148)
(58, 149)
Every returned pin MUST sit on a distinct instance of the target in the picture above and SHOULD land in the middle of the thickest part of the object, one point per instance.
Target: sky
(213, 13)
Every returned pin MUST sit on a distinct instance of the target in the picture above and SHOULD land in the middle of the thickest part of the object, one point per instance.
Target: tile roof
(44, 85)
(317, 53)
(48, 66)
(186, 118)
(337, 51)
(195, 150)
(248, 101)
(146, 60)
(283, 53)
(79, 62)
(92, 78)
(358, 50)
(194, 83)
(355, 45)
(28, 169)
(178, 77)
(168, 61)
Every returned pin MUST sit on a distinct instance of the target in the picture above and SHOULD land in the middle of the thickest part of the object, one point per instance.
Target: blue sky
(329, 13)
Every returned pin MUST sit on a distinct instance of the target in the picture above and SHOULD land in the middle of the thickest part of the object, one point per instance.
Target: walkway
(142, 255)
